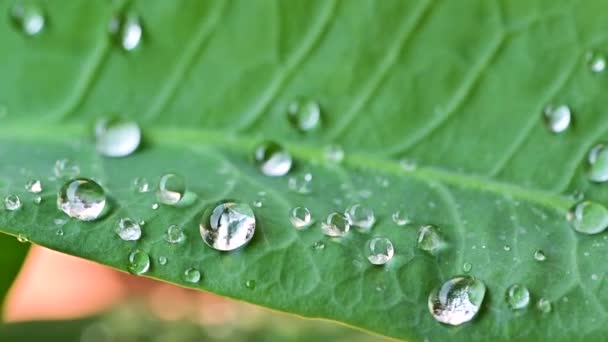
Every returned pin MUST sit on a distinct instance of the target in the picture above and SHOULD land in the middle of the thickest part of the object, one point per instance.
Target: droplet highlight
(598, 163)
(175, 234)
(12, 202)
(28, 17)
(430, 240)
(34, 186)
(138, 262)
(360, 216)
(192, 275)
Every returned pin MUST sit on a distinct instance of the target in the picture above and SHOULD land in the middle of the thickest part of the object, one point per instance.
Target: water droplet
(139, 262)
(175, 234)
(429, 239)
(141, 185)
(589, 218)
(300, 217)
(162, 260)
(250, 284)
(192, 275)
(60, 221)
(596, 62)
(128, 230)
(34, 186)
(28, 17)
(171, 189)
(360, 216)
(82, 199)
(257, 203)
(127, 29)
(507, 248)
(594, 277)
(318, 245)
(539, 255)
(518, 297)
(400, 218)
(334, 154)
(65, 168)
(59, 232)
(227, 226)
(466, 267)
(23, 238)
(115, 137)
(457, 301)
(37, 200)
(304, 115)
(380, 250)
(154, 206)
(598, 163)
(300, 183)
(543, 305)
(557, 119)
(336, 224)
(272, 159)
(12, 202)
(408, 165)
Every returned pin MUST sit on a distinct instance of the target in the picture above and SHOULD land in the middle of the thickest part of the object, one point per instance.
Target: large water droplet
(12, 202)
(272, 159)
(596, 62)
(304, 114)
(28, 17)
(139, 262)
(557, 119)
(227, 226)
(457, 301)
(543, 305)
(380, 250)
(66, 168)
(175, 234)
(360, 216)
(334, 154)
(301, 184)
(518, 297)
(192, 275)
(82, 199)
(429, 239)
(127, 29)
(300, 217)
(589, 218)
(171, 189)
(34, 186)
(336, 224)
(598, 163)
(116, 137)
(128, 229)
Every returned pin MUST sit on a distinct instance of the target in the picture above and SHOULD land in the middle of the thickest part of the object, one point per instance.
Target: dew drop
(227, 225)
(59, 232)
(37, 200)
(539, 255)
(60, 221)
(65, 168)
(162, 260)
(400, 218)
(34, 186)
(596, 62)
(28, 17)
(336, 224)
(557, 119)
(171, 189)
(154, 206)
(175, 234)
(457, 301)
(128, 229)
(429, 239)
(12, 202)
(250, 284)
(257, 203)
(408, 165)
(139, 262)
(141, 185)
(300, 217)
(507, 248)
(192, 275)
(127, 29)
(82, 199)
(598, 163)
(115, 137)
(589, 218)
(22, 238)
(543, 305)
(304, 115)
(466, 267)
(318, 245)
(518, 297)
(334, 154)
(360, 216)
(380, 250)
(272, 159)
(301, 184)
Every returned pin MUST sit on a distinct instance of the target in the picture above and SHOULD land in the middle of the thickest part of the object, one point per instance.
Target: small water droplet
(400, 218)
(250, 284)
(598, 163)
(304, 114)
(466, 267)
(37, 200)
(162, 260)
(429, 239)
(257, 203)
(115, 137)
(154, 206)
(128, 230)
(318, 245)
(60, 221)
(589, 218)
(408, 165)
(457, 301)
(594, 277)
(28, 17)
(300, 217)
(557, 119)
(34, 186)
(596, 62)
(12, 202)
(192, 275)
(82, 199)
(334, 154)
(175, 234)
(139, 262)
(336, 224)
(65, 168)
(127, 29)
(360, 216)
(141, 185)
(59, 232)
(227, 225)
(543, 305)
(518, 297)
(507, 248)
(380, 250)
(539, 255)
(171, 189)
(272, 159)
(23, 238)
(301, 184)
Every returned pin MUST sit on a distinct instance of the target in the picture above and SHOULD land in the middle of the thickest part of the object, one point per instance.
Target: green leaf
(13, 254)
(456, 86)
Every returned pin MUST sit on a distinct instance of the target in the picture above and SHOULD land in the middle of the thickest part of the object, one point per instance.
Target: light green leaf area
(456, 86)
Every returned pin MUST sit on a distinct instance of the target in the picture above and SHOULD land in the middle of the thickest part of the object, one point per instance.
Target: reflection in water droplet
(250, 284)
(139, 262)
(192, 275)
(596, 62)
(115, 137)
(12, 202)
(598, 163)
(162, 260)
(300, 217)
(28, 17)
(400, 218)
(557, 119)
(360, 216)
(171, 189)
(127, 29)
(539, 255)
(336, 224)
(429, 239)
(301, 184)
(22, 238)
(543, 305)
(457, 301)
(304, 115)
(466, 267)
(175, 234)
(34, 186)
(334, 154)
(128, 230)
(227, 226)
(272, 159)
(589, 218)
(518, 297)
(141, 185)
(82, 199)
(380, 250)
(66, 168)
